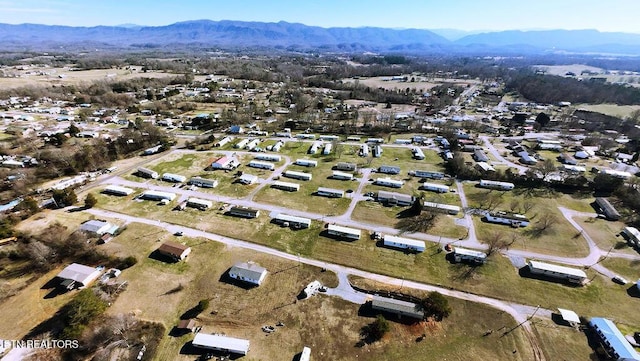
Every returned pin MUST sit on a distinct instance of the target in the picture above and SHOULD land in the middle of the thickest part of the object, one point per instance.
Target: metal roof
(557, 269)
(405, 241)
(344, 230)
(469, 252)
(235, 345)
(617, 342)
(569, 315)
(248, 270)
(79, 273)
(400, 307)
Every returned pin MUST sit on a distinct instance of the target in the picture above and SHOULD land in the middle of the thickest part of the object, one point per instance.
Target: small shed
(186, 325)
(569, 317)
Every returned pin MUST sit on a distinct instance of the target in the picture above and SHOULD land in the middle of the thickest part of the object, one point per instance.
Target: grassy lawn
(606, 234)
(623, 267)
(560, 238)
(376, 213)
(303, 200)
(561, 342)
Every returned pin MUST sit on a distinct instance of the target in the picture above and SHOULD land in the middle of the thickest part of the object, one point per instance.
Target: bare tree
(420, 223)
(546, 222)
(496, 242)
(514, 205)
(527, 206)
(492, 200)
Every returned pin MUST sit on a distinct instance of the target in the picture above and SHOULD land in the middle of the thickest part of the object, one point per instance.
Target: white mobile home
(396, 199)
(173, 178)
(222, 142)
(276, 147)
(329, 138)
(330, 192)
(404, 243)
(306, 162)
(221, 343)
(242, 143)
(377, 151)
(343, 232)
(247, 178)
(388, 182)
(427, 174)
(157, 196)
(291, 221)
(573, 168)
(305, 355)
(327, 149)
(77, 275)
(147, 173)
(350, 167)
(248, 272)
(198, 203)
(389, 169)
(632, 235)
(203, 182)
(435, 187)
(341, 175)
(469, 255)
(484, 167)
(418, 153)
(117, 190)
(503, 186)
(375, 140)
(245, 212)
(261, 165)
(286, 186)
(402, 141)
(305, 136)
(364, 150)
(442, 208)
(252, 144)
(572, 275)
(353, 138)
(512, 219)
(313, 149)
(297, 175)
(268, 157)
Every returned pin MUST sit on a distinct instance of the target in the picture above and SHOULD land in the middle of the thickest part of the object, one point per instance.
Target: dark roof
(173, 248)
(399, 307)
(187, 324)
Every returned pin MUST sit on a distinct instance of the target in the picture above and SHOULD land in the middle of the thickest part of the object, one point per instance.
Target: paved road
(496, 154)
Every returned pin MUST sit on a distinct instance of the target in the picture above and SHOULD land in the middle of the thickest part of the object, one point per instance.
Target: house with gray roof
(248, 272)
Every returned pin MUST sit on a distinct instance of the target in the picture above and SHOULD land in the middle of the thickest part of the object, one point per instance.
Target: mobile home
(418, 153)
(364, 150)
(268, 157)
(117, 190)
(203, 182)
(147, 173)
(572, 275)
(286, 186)
(174, 178)
(427, 174)
(242, 143)
(609, 211)
(157, 196)
(512, 219)
(503, 186)
(329, 192)
(350, 167)
(434, 187)
(297, 175)
(377, 151)
(388, 182)
(389, 169)
(291, 221)
(403, 243)
(201, 204)
(341, 175)
(261, 165)
(327, 149)
(222, 142)
(442, 208)
(469, 255)
(343, 232)
(244, 212)
(395, 199)
(221, 343)
(306, 162)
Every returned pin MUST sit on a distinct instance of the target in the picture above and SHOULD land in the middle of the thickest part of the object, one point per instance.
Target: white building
(512, 219)
(343, 232)
(341, 175)
(248, 272)
(222, 142)
(252, 144)
(364, 150)
(174, 178)
(395, 199)
(76, 275)
(327, 149)
(633, 235)
(503, 186)
(268, 157)
(261, 165)
(225, 162)
(350, 167)
(330, 192)
(389, 169)
(147, 173)
(198, 203)
(117, 190)
(247, 178)
(427, 174)
(418, 153)
(435, 187)
(616, 173)
(157, 195)
(203, 182)
(404, 243)
(305, 355)
(290, 221)
(96, 227)
(297, 175)
(286, 186)
(313, 149)
(241, 144)
(442, 208)
(221, 343)
(388, 182)
(469, 255)
(306, 162)
(572, 275)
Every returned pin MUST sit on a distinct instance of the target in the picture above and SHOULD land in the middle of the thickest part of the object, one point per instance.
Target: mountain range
(294, 36)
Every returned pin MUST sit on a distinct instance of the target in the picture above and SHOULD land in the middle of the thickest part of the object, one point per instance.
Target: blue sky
(604, 15)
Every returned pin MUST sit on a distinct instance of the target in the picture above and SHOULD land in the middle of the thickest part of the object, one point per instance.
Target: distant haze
(466, 15)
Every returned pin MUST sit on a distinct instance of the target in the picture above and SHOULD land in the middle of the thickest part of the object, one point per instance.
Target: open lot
(558, 238)
(606, 234)
(560, 342)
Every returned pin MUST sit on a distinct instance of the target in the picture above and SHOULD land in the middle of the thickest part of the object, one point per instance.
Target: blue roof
(622, 348)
